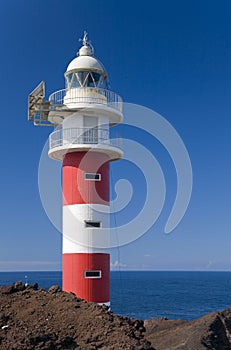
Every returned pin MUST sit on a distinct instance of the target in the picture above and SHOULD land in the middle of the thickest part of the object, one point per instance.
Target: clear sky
(171, 56)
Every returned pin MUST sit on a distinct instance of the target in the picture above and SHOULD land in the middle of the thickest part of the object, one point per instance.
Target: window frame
(89, 271)
(88, 179)
(92, 226)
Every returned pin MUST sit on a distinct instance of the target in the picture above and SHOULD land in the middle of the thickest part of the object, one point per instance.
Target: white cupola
(85, 70)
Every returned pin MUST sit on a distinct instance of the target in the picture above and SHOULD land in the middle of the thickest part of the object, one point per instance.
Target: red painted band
(76, 189)
(91, 289)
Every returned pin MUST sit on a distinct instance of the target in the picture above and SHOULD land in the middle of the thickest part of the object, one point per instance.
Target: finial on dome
(87, 48)
(84, 40)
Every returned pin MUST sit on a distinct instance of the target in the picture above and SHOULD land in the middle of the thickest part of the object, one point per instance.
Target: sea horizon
(128, 270)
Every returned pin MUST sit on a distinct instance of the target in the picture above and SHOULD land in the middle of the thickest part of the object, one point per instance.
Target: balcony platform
(63, 141)
(92, 100)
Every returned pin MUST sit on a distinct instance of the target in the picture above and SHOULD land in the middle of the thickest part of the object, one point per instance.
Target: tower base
(88, 276)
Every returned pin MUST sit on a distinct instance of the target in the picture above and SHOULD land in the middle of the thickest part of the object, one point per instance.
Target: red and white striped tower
(84, 113)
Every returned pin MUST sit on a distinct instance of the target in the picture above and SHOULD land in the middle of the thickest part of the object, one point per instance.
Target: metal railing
(91, 136)
(86, 95)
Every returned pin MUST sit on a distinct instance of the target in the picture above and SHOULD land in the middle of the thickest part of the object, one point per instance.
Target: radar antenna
(38, 108)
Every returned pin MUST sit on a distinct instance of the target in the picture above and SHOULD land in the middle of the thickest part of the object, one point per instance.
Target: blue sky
(173, 57)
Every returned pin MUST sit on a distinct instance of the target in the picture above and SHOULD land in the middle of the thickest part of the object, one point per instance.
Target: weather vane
(85, 40)
(87, 43)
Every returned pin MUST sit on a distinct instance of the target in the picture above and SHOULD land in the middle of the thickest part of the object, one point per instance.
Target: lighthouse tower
(83, 114)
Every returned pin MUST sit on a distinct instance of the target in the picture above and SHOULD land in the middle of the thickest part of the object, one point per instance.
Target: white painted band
(77, 238)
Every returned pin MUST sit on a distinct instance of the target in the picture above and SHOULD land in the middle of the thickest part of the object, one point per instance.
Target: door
(90, 129)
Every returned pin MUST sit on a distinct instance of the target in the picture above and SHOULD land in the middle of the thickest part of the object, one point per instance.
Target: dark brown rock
(53, 320)
(56, 320)
(210, 332)
(6, 289)
(18, 286)
(54, 289)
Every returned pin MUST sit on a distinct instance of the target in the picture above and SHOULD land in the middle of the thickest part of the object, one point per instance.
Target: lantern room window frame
(86, 78)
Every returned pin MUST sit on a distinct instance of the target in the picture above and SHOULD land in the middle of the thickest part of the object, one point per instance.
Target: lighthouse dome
(85, 70)
(86, 62)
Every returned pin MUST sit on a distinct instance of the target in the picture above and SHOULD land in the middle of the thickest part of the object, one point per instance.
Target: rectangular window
(92, 176)
(93, 274)
(92, 223)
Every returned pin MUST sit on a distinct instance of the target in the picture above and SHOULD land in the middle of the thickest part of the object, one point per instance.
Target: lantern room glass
(86, 79)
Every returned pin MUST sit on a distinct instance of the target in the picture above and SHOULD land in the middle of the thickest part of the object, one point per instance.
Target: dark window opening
(93, 274)
(92, 176)
(92, 223)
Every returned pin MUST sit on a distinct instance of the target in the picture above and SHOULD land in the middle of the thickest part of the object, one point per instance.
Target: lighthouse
(82, 115)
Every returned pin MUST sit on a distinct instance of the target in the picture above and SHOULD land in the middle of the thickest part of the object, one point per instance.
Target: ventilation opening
(93, 274)
(92, 176)
(92, 223)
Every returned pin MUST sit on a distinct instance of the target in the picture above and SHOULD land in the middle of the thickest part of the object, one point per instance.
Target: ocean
(147, 294)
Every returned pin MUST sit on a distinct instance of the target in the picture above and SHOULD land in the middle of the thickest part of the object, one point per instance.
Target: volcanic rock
(212, 332)
(32, 319)
(49, 320)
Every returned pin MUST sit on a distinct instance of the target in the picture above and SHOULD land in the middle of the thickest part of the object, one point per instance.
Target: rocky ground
(212, 332)
(32, 319)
